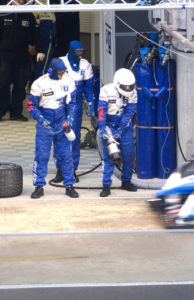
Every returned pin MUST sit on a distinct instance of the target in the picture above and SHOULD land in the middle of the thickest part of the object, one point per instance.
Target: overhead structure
(97, 5)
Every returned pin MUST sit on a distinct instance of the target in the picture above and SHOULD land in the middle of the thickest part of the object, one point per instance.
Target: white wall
(89, 32)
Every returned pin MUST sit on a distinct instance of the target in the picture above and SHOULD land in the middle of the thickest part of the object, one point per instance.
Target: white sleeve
(36, 89)
(71, 90)
(103, 94)
(88, 72)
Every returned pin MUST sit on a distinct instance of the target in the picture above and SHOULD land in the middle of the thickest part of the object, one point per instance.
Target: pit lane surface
(61, 248)
(156, 264)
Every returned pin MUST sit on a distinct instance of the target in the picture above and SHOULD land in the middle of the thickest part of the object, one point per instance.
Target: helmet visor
(127, 88)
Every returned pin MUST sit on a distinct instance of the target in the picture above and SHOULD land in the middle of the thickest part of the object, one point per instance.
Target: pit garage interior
(114, 248)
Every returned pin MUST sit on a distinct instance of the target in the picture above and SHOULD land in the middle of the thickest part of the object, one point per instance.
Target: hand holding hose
(103, 133)
(44, 122)
(69, 133)
(118, 134)
(90, 110)
(67, 125)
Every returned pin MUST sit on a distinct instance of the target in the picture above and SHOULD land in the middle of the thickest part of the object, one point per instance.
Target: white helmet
(124, 81)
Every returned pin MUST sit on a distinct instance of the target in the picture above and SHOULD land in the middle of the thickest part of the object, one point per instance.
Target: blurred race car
(175, 200)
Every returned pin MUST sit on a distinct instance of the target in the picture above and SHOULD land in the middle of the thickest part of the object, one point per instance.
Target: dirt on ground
(77, 215)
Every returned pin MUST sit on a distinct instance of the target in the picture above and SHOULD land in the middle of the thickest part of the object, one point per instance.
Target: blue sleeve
(102, 111)
(128, 115)
(32, 106)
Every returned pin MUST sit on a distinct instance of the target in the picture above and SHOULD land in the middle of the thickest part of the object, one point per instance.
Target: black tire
(11, 180)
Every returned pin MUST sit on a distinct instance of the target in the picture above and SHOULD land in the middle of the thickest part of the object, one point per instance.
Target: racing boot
(128, 186)
(38, 192)
(76, 177)
(105, 191)
(19, 118)
(59, 177)
(70, 191)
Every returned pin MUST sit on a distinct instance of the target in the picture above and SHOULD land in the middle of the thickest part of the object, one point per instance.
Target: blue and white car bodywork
(175, 200)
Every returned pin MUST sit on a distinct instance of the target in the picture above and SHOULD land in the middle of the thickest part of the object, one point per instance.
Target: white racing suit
(54, 100)
(84, 85)
(116, 112)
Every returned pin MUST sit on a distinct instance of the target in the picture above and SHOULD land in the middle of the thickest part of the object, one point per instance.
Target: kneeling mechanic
(52, 102)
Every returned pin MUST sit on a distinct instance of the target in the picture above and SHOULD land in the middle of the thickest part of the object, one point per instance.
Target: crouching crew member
(116, 107)
(51, 102)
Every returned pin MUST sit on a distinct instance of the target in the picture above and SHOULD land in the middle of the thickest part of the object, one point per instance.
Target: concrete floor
(61, 241)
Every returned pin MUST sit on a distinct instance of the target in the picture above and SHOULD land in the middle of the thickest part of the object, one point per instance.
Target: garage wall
(89, 35)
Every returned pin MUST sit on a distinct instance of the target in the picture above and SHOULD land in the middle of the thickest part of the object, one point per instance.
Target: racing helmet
(124, 81)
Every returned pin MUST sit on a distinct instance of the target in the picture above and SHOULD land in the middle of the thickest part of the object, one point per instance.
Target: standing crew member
(68, 29)
(47, 24)
(116, 107)
(51, 102)
(17, 32)
(80, 70)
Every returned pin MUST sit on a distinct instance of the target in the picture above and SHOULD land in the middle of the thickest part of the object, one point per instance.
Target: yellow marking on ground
(33, 258)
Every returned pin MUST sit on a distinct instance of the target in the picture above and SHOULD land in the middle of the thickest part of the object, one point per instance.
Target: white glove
(40, 57)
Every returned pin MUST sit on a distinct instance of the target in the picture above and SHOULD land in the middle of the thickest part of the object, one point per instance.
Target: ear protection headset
(51, 70)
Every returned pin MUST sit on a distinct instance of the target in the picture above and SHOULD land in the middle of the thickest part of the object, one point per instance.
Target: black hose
(82, 188)
(82, 174)
(85, 128)
(177, 128)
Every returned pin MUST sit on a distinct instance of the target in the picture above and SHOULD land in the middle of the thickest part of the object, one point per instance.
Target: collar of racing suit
(73, 60)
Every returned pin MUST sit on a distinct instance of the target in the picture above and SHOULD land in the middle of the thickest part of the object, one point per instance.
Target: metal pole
(92, 34)
(188, 44)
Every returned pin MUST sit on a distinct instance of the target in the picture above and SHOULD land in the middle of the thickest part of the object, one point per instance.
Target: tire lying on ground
(11, 180)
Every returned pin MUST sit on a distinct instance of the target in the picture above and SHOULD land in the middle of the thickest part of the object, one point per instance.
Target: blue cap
(57, 64)
(75, 45)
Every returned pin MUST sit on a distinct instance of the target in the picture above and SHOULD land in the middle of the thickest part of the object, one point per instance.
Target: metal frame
(97, 5)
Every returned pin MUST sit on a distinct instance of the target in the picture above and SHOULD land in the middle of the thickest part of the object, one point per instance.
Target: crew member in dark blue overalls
(47, 25)
(17, 32)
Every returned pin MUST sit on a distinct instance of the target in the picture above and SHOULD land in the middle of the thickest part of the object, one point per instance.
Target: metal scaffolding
(97, 5)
